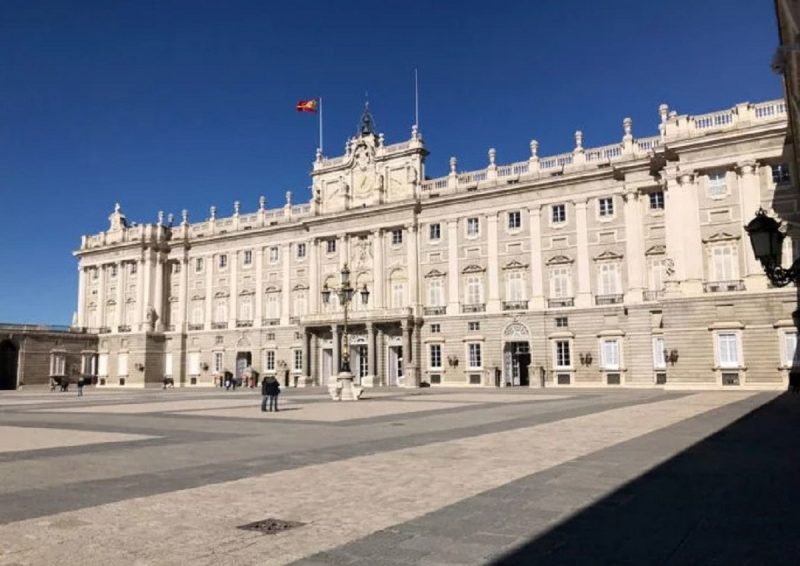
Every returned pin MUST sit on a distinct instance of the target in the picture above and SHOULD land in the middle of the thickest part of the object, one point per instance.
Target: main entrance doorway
(8, 365)
(326, 366)
(517, 357)
(243, 360)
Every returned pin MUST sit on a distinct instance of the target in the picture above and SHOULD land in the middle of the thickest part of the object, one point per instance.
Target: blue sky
(166, 104)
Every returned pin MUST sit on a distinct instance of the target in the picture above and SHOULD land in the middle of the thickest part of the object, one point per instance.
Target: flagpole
(320, 125)
(416, 99)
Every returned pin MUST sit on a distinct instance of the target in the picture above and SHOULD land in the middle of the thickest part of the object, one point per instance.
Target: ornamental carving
(516, 330)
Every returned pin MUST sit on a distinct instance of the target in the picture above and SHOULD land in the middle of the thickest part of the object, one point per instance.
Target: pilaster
(183, 298)
(140, 306)
(452, 267)
(258, 316)
(584, 295)
(337, 346)
(536, 269)
(692, 238)
(233, 312)
(159, 292)
(208, 262)
(413, 267)
(118, 314)
(493, 303)
(313, 276)
(81, 297)
(286, 291)
(634, 246)
(380, 274)
(101, 296)
(750, 202)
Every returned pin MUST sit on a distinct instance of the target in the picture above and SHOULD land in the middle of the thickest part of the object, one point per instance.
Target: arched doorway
(516, 355)
(8, 365)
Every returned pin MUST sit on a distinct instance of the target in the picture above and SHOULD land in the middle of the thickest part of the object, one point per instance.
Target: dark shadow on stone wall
(733, 498)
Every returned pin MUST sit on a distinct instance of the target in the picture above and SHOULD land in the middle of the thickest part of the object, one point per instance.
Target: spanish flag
(307, 106)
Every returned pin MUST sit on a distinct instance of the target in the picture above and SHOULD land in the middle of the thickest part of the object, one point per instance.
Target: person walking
(270, 388)
(81, 383)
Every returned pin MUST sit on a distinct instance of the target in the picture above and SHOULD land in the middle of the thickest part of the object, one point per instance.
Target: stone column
(536, 269)
(673, 210)
(209, 265)
(306, 356)
(634, 247)
(159, 293)
(452, 267)
(81, 297)
(148, 284)
(286, 291)
(233, 312)
(584, 295)
(140, 306)
(336, 350)
(259, 306)
(692, 238)
(750, 202)
(183, 304)
(101, 296)
(371, 353)
(413, 267)
(409, 373)
(379, 362)
(120, 294)
(379, 285)
(313, 277)
(493, 304)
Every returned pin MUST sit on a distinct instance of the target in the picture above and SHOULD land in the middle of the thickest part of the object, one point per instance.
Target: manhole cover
(271, 526)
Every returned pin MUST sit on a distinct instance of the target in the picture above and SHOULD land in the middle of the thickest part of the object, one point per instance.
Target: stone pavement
(406, 477)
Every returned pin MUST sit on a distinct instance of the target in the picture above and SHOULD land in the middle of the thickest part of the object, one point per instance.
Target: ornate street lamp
(766, 238)
(345, 294)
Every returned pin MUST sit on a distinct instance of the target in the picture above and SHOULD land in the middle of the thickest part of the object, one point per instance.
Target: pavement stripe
(341, 501)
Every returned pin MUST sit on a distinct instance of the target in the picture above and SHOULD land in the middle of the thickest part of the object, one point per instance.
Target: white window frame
(246, 308)
(558, 214)
(297, 359)
(717, 184)
(436, 292)
(221, 310)
(273, 305)
(515, 285)
(722, 354)
(781, 174)
(269, 361)
(301, 250)
(789, 353)
(397, 236)
(274, 254)
(198, 312)
(656, 198)
(247, 258)
(199, 265)
(218, 361)
(58, 363)
(398, 294)
(330, 246)
(611, 354)
(560, 282)
(608, 278)
(434, 357)
(558, 354)
(435, 232)
(514, 220)
(717, 251)
(605, 208)
(222, 262)
(472, 227)
(473, 290)
(436, 328)
(656, 274)
(474, 354)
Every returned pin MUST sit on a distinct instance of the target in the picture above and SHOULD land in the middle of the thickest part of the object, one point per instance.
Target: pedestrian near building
(270, 389)
(81, 383)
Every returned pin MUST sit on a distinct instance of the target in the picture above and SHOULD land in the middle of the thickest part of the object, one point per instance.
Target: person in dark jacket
(270, 389)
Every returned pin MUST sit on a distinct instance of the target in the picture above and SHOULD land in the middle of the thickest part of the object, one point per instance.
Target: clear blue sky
(164, 104)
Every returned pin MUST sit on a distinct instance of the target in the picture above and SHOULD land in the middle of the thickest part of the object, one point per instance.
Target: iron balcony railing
(123, 328)
(475, 307)
(270, 321)
(244, 323)
(515, 305)
(435, 310)
(650, 295)
(723, 286)
(608, 299)
(561, 302)
(196, 326)
(219, 325)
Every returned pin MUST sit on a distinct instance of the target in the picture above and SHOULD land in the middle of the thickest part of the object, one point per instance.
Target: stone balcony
(270, 321)
(244, 324)
(651, 295)
(614, 299)
(560, 302)
(219, 325)
(356, 317)
(474, 307)
(429, 311)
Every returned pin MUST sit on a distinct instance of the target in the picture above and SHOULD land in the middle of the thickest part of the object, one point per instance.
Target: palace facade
(620, 265)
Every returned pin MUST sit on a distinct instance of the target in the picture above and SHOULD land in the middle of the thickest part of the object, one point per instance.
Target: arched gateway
(9, 356)
(516, 354)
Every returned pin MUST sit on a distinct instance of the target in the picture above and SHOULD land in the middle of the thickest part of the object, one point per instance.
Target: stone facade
(625, 264)
(32, 354)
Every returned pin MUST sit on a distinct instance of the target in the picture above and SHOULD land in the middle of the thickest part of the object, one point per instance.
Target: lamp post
(345, 293)
(766, 238)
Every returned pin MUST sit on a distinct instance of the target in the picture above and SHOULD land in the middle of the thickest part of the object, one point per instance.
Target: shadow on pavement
(733, 498)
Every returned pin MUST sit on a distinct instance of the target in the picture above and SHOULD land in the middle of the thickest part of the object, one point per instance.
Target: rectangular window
(398, 295)
(717, 184)
(514, 220)
(563, 358)
(780, 174)
(561, 322)
(436, 328)
(223, 261)
(606, 206)
(133, 268)
(610, 352)
(658, 274)
(608, 278)
(176, 267)
(473, 326)
(198, 265)
(515, 286)
(247, 259)
(298, 360)
(657, 200)
(301, 250)
(58, 364)
(435, 293)
(397, 237)
(218, 356)
(273, 254)
(435, 356)
(435, 232)
(728, 349)
(790, 353)
(474, 290)
(197, 313)
(95, 273)
(659, 356)
(246, 309)
(723, 263)
(560, 283)
(113, 271)
(269, 361)
(194, 363)
(330, 246)
(474, 358)
(122, 365)
(558, 213)
(473, 227)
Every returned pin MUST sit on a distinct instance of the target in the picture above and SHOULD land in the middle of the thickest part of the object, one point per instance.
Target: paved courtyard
(471, 476)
